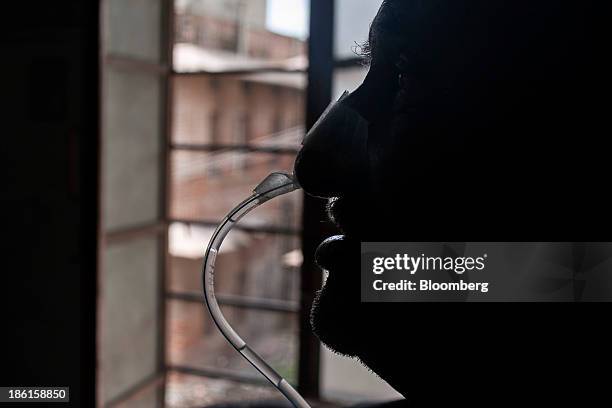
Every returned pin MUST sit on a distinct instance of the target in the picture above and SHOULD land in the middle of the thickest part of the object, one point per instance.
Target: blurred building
(236, 26)
(229, 93)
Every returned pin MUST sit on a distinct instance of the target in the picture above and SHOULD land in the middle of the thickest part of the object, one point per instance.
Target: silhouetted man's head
(476, 111)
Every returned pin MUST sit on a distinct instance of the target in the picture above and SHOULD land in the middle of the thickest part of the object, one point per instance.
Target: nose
(334, 155)
(334, 158)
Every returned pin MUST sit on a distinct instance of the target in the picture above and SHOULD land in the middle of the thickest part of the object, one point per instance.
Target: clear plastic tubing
(276, 184)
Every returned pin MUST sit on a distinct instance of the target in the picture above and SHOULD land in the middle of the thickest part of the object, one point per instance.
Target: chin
(344, 329)
(336, 322)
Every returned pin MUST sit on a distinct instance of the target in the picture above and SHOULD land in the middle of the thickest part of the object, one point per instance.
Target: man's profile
(482, 126)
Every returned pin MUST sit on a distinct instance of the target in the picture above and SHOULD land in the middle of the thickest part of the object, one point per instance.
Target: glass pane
(131, 149)
(249, 264)
(352, 23)
(206, 186)
(132, 28)
(186, 391)
(230, 35)
(194, 340)
(129, 315)
(258, 108)
(222, 102)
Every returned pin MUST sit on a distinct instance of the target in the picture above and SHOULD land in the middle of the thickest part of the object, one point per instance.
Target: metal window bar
(239, 301)
(218, 373)
(337, 63)
(268, 229)
(214, 147)
(318, 96)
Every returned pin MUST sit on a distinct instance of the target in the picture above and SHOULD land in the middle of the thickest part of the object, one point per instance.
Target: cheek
(390, 161)
(379, 144)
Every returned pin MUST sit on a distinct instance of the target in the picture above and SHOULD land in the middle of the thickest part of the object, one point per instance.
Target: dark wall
(49, 127)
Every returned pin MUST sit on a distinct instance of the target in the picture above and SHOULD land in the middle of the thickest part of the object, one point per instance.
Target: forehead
(440, 25)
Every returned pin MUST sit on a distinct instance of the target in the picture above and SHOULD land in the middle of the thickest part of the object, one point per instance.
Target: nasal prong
(274, 185)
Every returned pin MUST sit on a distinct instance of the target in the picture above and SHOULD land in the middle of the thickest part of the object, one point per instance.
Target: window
(261, 95)
(206, 118)
(215, 163)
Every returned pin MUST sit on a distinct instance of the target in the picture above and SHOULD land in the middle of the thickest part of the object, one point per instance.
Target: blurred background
(133, 127)
(201, 99)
